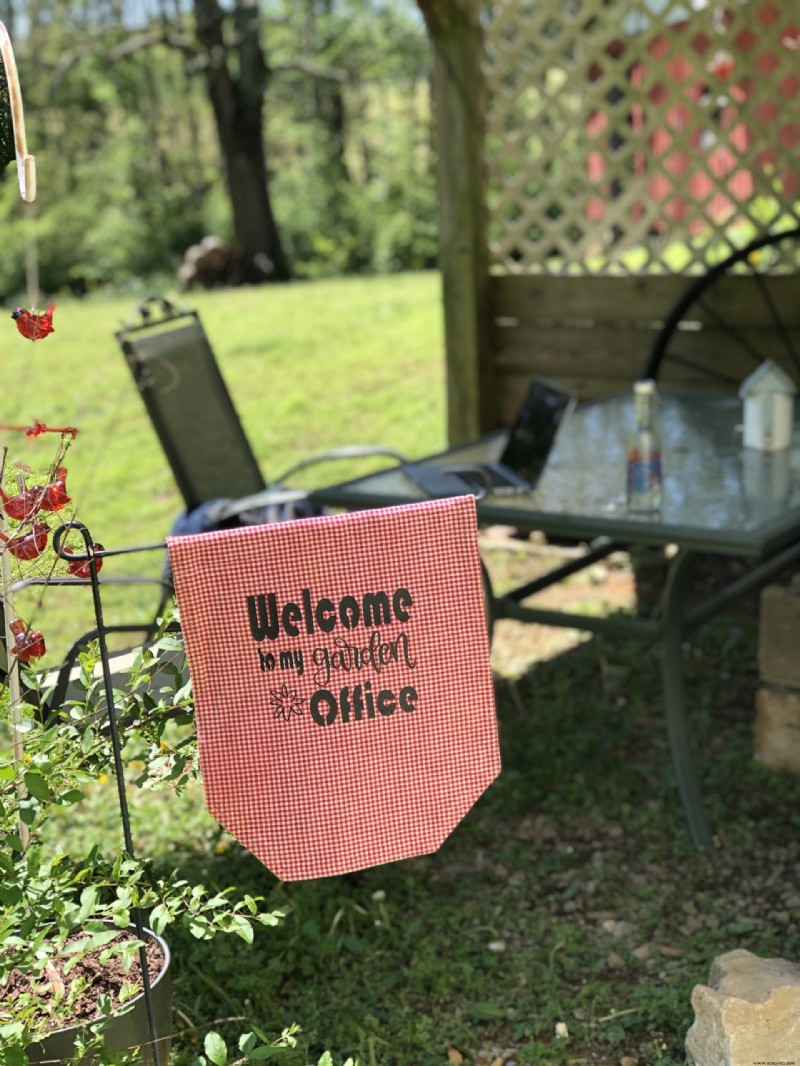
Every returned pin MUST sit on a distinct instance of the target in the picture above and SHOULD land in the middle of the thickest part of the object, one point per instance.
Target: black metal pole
(108, 687)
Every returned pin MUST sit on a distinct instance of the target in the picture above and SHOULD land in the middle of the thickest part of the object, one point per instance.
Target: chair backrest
(190, 407)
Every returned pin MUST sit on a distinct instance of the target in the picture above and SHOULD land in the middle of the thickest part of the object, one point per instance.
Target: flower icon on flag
(285, 702)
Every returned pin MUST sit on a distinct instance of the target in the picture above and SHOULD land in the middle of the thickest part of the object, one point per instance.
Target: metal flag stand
(91, 555)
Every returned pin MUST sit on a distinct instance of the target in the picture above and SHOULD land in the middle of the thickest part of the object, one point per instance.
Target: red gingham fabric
(342, 685)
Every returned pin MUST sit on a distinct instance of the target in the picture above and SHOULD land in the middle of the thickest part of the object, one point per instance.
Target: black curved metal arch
(693, 292)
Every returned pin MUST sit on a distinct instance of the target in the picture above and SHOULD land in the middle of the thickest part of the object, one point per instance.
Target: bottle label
(644, 473)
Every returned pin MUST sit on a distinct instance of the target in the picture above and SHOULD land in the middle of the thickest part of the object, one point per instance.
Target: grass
(567, 918)
(568, 900)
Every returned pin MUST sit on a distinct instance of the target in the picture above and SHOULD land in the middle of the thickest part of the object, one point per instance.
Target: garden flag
(342, 685)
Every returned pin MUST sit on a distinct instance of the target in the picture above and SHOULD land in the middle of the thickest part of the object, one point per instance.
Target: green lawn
(309, 366)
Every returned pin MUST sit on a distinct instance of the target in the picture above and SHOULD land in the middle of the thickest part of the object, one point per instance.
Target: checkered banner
(342, 685)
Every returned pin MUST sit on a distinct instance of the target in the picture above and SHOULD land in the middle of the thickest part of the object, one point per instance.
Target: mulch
(102, 978)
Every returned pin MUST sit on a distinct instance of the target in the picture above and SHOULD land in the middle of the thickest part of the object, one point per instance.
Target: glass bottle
(644, 451)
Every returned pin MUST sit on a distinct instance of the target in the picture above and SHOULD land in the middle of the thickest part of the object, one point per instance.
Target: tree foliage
(119, 114)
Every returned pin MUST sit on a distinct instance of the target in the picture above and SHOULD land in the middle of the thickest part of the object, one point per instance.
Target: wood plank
(526, 346)
(749, 301)
(643, 300)
(537, 298)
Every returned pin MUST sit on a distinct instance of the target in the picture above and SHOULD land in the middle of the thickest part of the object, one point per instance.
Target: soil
(102, 979)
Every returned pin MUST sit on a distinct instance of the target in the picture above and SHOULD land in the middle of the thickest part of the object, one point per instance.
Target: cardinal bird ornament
(32, 325)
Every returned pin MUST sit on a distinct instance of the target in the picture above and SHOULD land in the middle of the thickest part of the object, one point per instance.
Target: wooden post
(455, 31)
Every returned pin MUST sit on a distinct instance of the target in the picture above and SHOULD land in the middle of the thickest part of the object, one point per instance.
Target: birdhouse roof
(769, 377)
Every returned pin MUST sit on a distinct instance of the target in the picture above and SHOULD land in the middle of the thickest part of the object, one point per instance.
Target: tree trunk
(238, 105)
(332, 114)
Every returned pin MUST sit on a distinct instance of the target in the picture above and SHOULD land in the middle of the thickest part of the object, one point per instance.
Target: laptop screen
(544, 410)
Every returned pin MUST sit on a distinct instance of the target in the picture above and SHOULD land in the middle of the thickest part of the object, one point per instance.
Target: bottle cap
(644, 402)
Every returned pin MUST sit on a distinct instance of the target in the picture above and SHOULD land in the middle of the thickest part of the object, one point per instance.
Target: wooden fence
(594, 155)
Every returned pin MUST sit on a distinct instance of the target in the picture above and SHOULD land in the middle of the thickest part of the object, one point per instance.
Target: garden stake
(90, 557)
(14, 694)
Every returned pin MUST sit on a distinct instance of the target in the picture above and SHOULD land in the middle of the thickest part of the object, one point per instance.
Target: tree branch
(314, 70)
(180, 41)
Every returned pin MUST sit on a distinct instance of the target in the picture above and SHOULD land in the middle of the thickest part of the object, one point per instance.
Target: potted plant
(72, 928)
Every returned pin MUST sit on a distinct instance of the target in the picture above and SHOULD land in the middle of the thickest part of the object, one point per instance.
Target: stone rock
(749, 1012)
(776, 734)
(779, 622)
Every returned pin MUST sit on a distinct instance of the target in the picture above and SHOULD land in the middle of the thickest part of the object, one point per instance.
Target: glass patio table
(718, 497)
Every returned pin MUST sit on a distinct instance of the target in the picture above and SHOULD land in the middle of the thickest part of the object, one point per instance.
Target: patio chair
(56, 682)
(214, 467)
(194, 417)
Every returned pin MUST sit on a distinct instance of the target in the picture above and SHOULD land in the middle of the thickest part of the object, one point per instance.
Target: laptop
(544, 413)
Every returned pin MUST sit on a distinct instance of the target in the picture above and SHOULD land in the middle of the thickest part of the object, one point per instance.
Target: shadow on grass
(568, 901)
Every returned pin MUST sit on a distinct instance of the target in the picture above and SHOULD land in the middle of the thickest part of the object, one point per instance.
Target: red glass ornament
(28, 643)
(23, 506)
(28, 545)
(54, 496)
(82, 567)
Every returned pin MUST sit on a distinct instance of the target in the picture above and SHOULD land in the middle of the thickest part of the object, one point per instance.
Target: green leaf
(489, 1010)
(199, 927)
(27, 813)
(105, 1004)
(275, 918)
(37, 786)
(160, 918)
(10, 895)
(127, 991)
(247, 1041)
(12, 1056)
(242, 927)
(216, 1049)
(88, 904)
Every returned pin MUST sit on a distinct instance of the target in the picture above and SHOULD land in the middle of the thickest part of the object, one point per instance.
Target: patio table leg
(675, 699)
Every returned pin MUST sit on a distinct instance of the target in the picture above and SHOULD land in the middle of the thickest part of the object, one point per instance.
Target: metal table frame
(771, 540)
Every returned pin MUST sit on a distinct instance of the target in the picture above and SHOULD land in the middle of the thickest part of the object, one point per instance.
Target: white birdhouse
(768, 398)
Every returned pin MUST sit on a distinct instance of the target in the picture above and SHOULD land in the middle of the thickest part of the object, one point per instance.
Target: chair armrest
(346, 451)
(271, 497)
